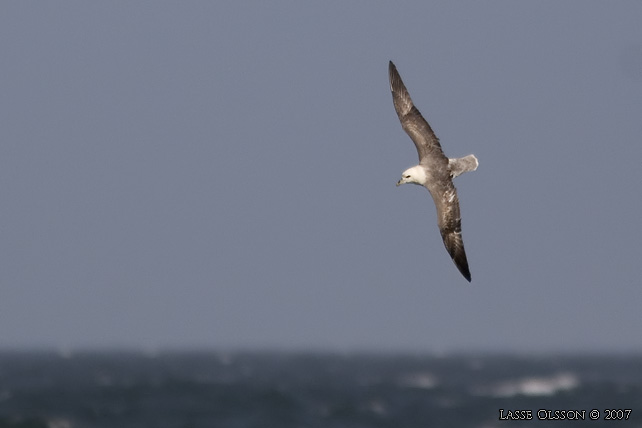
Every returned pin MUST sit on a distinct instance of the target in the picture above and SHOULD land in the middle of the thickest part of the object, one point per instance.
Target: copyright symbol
(594, 414)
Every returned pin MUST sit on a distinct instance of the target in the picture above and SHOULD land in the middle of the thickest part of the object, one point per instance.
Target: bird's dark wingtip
(396, 85)
(458, 256)
(462, 266)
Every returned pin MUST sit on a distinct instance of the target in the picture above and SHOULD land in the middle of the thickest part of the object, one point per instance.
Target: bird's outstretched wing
(411, 120)
(449, 221)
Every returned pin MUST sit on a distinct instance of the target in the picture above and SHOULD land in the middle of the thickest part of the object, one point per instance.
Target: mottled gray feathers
(439, 170)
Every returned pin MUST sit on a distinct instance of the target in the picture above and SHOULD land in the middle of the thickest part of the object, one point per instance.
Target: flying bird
(435, 171)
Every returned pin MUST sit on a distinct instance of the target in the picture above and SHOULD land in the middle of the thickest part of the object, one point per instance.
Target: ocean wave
(532, 386)
(420, 380)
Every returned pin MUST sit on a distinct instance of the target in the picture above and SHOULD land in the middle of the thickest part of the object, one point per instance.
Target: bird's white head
(414, 175)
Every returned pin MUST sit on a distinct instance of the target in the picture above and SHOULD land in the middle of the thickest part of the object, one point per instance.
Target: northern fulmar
(435, 171)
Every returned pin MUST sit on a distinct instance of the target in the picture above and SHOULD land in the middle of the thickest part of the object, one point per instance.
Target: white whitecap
(421, 380)
(537, 386)
(531, 386)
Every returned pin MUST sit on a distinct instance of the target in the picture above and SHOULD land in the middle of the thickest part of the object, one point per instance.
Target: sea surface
(281, 390)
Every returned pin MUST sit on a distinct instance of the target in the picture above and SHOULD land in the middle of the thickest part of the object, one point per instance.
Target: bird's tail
(460, 165)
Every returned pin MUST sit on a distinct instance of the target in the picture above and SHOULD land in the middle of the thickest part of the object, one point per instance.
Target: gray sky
(222, 174)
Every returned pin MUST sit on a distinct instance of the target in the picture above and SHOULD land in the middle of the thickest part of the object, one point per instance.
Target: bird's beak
(399, 183)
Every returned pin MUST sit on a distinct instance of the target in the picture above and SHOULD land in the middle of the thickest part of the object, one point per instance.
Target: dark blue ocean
(282, 390)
